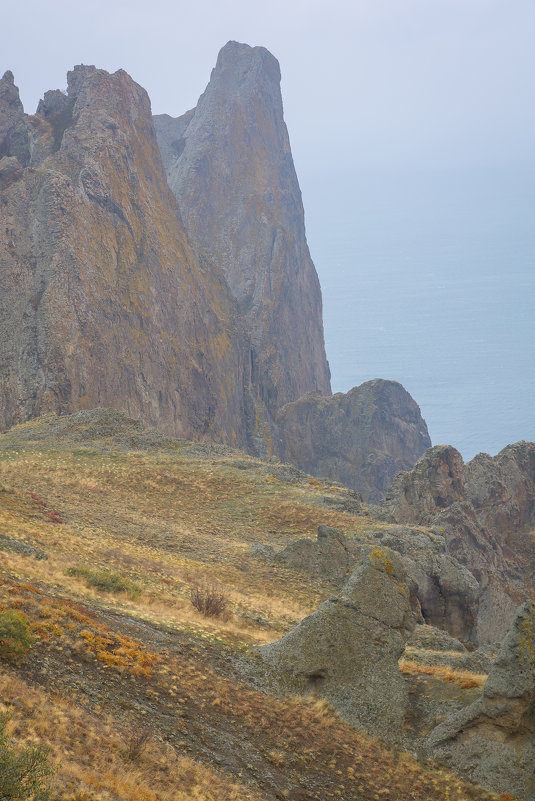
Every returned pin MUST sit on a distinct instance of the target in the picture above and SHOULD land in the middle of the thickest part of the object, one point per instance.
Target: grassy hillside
(106, 529)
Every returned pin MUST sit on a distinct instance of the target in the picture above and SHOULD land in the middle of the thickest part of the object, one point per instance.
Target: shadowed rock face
(230, 167)
(492, 741)
(103, 301)
(348, 650)
(362, 438)
(480, 507)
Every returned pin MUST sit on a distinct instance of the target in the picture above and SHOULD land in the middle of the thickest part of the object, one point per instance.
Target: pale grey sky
(365, 82)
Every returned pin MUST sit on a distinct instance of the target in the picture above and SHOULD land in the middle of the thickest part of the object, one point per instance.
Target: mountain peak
(240, 58)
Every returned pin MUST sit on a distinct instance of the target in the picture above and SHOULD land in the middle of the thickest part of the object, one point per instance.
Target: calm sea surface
(429, 280)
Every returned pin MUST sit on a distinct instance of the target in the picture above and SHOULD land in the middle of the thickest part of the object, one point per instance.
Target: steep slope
(230, 167)
(102, 299)
(97, 495)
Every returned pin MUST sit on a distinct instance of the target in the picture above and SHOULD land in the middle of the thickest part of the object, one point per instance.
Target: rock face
(362, 438)
(198, 312)
(492, 741)
(103, 301)
(482, 508)
(347, 651)
(230, 167)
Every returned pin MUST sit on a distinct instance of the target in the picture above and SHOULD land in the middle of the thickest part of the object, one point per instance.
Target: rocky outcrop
(435, 482)
(348, 650)
(492, 741)
(103, 301)
(11, 109)
(330, 556)
(229, 164)
(480, 508)
(447, 591)
(362, 438)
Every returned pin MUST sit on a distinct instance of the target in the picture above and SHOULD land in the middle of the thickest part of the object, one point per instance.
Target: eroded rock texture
(348, 650)
(492, 741)
(485, 510)
(102, 299)
(230, 167)
(361, 438)
(199, 314)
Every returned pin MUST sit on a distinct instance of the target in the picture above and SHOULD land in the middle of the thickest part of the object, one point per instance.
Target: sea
(428, 278)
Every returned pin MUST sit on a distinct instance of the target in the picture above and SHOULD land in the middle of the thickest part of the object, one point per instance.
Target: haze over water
(428, 278)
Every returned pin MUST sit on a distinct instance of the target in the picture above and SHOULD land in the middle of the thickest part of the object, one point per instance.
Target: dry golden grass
(464, 678)
(90, 753)
(167, 520)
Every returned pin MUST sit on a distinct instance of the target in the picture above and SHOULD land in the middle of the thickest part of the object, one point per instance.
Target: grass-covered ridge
(96, 496)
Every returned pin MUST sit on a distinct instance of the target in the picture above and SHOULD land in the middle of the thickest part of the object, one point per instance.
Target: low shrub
(136, 740)
(23, 771)
(209, 600)
(106, 581)
(15, 638)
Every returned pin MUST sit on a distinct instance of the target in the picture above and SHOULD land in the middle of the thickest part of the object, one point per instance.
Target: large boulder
(492, 741)
(347, 651)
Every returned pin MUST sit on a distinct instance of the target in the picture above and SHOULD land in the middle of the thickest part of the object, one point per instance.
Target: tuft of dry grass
(463, 678)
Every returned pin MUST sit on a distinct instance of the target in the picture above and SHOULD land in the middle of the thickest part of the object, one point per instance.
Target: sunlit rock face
(230, 167)
(103, 301)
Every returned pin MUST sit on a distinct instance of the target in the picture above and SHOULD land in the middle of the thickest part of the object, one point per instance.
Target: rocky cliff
(197, 310)
(103, 301)
(230, 167)
(362, 438)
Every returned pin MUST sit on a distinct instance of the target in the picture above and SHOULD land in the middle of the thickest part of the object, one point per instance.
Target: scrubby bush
(209, 600)
(23, 771)
(105, 581)
(15, 639)
(136, 740)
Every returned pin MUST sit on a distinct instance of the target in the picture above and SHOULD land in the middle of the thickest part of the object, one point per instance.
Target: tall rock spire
(11, 109)
(230, 167)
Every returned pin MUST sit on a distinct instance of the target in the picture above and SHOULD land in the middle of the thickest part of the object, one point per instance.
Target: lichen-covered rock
(229, 164)
(362, 438)
(103, 301)
(447, 591)
(348, 650)
(492, 741)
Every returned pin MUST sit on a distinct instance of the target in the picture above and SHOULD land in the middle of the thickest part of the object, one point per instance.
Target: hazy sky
(365, 82)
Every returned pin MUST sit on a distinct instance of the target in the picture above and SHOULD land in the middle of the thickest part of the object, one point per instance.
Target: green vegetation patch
(15, 639)
(23, 771)
(106, 581)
